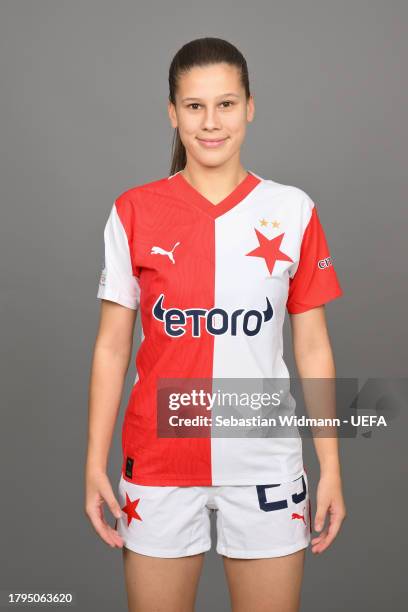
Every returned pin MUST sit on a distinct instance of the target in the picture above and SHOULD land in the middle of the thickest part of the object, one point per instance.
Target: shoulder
(128, 201)
(294, 199)
(291, 193)
(143, 189)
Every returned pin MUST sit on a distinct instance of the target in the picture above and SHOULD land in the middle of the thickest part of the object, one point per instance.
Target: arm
(112, 353)
(314, 359)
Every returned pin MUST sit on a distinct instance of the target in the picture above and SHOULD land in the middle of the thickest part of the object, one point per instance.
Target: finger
(116, 537)
(103, 531)
(320, 517)
(331, 534)
(317, 548)
(116, 534)
(101, 515)
(319, 538)
(325, 539)
(101, 527)
(108, 495)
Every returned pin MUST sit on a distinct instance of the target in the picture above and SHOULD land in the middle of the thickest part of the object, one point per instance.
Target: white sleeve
(117, 282)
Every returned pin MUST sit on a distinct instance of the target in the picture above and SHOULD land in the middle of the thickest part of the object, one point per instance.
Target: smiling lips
(211, 143)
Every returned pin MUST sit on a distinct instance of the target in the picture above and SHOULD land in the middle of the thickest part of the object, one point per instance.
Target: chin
(212, 163)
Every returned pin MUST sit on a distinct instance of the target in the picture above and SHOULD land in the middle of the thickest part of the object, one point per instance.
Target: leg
(157, 584)
(166, 531)
(265, 585)
(262, 533)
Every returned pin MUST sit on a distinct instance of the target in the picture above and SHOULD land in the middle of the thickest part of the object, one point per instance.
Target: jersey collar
(189, 193)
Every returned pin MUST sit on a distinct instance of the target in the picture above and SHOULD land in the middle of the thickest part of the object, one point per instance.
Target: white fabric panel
(117, 282)
(243, 281)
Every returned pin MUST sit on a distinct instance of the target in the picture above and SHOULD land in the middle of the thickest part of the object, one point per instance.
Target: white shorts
(253, 521)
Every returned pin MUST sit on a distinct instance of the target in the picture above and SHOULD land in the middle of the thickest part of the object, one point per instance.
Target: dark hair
(200, 52)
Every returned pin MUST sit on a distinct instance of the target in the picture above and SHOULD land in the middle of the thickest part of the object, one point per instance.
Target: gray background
(83, 117)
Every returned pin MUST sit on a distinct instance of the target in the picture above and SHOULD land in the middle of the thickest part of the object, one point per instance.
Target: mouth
(211, 142)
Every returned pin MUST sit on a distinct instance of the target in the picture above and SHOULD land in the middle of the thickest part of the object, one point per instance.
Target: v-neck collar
(191, 194)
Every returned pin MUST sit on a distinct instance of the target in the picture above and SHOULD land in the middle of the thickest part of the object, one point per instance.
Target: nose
(211, 119)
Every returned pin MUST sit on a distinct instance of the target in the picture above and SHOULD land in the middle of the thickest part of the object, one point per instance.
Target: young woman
(212, 256)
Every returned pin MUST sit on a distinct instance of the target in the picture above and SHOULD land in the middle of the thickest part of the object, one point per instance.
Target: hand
(98, 491)
(329, 500)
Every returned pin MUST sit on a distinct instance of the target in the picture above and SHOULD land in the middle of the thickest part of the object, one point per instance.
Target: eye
(196, 104)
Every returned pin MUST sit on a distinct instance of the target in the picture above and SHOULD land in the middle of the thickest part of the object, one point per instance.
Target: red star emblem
(269, 250)
(130, 509)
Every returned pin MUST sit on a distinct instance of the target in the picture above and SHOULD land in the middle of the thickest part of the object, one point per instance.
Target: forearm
(318, 363)
(107, 378)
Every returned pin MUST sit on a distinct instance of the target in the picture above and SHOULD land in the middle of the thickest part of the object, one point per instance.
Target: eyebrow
(220, 96)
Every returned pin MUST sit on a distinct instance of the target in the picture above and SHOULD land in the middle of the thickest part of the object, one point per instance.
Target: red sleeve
(315, 281)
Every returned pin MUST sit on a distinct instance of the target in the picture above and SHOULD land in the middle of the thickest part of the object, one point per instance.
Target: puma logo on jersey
(295, 515)
(156, 250)
(175, 319)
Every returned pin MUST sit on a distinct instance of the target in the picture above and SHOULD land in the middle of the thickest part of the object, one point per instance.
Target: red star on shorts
(130, 509)
(269, 250)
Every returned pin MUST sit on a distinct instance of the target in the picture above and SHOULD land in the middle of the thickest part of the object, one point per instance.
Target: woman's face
(211, 106)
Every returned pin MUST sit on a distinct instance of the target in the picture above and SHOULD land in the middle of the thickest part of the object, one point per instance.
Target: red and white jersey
(212, 284)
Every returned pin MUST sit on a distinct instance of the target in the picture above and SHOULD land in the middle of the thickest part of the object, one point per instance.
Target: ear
(172, 114)
(250, 108)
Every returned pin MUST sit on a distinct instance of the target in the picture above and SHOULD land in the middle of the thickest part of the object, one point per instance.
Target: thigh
(161, 584)
(263, 521)
(265, 585)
